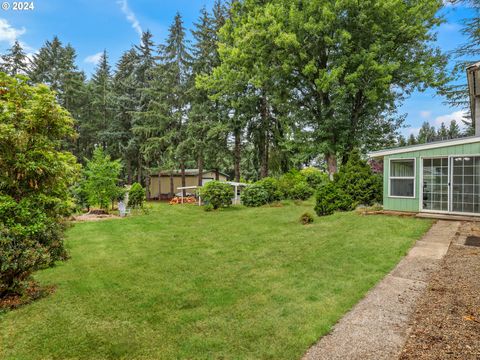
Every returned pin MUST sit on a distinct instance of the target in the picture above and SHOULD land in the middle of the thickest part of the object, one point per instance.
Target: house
(437, 177)
(162, 183)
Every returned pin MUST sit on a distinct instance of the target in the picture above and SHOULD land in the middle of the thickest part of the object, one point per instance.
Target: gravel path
(446, 324)
(377, 327)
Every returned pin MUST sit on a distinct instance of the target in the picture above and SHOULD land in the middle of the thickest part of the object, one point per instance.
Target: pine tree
(412, 140)
(454, 130)
(161, 126)
(101, 101)
(15, 61)
(123, 143)
(426, 134)
(442, 132)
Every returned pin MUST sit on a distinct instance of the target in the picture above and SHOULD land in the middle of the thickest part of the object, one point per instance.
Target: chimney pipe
(473, 78)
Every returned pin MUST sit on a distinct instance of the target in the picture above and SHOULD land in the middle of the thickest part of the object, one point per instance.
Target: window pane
(401, 168)
(401, 187)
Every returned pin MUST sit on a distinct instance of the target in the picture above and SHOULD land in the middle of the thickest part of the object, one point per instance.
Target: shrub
(208, 207)
(216, 193)
(36, 176)
(136, 196)
(272, 188)
(314, 177)
(330, 198)
(254, 195)
(101, 179)
(301, 191)
(288, 181)
(306, 218)
(357, 179)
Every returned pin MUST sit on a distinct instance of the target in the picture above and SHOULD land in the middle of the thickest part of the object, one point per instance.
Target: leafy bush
(136, 196)
(101, 176)
(35, 181)
(287, 182)
(314, 177)
(330, 198)
(306, 218)
(254, 195)
(208, 207)
(301, 191)
(357, 179)
(272, 188)
(216, 193)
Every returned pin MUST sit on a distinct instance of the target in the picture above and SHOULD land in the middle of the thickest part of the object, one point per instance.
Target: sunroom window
(402, 178)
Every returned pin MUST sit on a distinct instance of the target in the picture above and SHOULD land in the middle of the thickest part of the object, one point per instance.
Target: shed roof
(420, 147)
(188, 172)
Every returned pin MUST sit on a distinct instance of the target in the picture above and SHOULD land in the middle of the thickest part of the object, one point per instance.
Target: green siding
(413, 204)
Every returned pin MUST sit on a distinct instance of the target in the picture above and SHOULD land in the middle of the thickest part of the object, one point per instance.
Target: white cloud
(130, 15)
(458, 116)
(425, 114)
(8, 33)
(94, 59)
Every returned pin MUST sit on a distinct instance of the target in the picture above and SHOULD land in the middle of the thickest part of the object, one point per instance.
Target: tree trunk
(182, 172)
(139, 174)
(331, 164)
(147, 187)
(237, 153)
(200, 169)
(217, 174)
(159, 185)
(172, 193)
(129, 172)
(263, 142)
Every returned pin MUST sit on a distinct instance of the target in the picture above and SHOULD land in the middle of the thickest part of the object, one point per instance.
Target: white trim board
(420, 147)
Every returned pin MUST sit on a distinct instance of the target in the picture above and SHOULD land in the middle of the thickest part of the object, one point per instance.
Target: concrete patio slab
(377, 327)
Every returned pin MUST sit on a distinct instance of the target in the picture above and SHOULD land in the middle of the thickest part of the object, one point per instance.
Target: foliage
(272, 188)
(35, 180)
(330, 198)
(357, 180)
(217, 193)
(314, 177)
(101, 179)
(306, 218)
(288, 181)
(136, 196)
(301, 191)
(255, 195)
(208, 207)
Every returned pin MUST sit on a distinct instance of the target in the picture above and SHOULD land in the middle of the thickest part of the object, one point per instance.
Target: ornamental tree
(35, 177)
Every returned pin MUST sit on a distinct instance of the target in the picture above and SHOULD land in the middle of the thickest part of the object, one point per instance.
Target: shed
(162, 182)
(439, 177)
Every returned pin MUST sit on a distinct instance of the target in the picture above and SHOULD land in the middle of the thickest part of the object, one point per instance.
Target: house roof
(188, 172)
(419, 147)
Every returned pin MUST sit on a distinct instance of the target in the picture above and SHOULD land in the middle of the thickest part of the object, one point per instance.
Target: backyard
(183, 283)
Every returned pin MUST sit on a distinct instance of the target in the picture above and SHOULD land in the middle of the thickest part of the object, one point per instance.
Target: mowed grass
(181, 283)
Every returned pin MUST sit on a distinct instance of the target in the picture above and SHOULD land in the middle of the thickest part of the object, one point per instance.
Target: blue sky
(94, 25)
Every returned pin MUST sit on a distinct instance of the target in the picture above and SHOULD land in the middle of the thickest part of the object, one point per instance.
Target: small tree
(35, 178)
(101, 178)
(136, 196)
(217, 193)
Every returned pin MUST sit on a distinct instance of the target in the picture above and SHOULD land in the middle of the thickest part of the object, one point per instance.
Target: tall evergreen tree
(15, 61)
(426, 134)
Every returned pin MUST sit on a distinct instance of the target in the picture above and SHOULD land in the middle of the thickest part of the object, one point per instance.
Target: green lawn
(181, 283)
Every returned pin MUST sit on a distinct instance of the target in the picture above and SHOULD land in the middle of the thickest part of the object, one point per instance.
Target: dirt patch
(446, 323)
(33, 292)
(94, 217)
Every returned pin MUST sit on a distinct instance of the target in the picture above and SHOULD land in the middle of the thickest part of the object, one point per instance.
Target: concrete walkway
(377, 327)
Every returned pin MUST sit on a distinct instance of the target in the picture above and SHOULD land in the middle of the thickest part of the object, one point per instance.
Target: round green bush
(330, 198)
(314, 177)
(136, 196)
(301, 191)
(254, 195)
(272, 188)
(288, 181)
(216, 193)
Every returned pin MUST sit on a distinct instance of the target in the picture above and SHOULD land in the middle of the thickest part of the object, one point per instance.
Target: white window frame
(414, 177)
